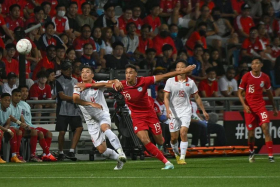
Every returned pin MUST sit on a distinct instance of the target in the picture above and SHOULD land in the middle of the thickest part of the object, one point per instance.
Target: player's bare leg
(114, 140)
(151, 148)
(174, 144)
(268, 141)
(109, 153)
(33, 143)
(183, 144)
(60, 145)
(251, 144)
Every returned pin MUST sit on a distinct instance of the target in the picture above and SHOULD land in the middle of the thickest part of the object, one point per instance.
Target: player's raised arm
(174, 73)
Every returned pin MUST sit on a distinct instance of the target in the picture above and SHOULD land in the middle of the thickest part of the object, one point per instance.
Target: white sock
(109, 153)
(167, 163)
(44, 154)
(72, 150)
(175, 148)
(183, 147)
(61, 152)
(114, 140)
(14, 154)
(49, 154)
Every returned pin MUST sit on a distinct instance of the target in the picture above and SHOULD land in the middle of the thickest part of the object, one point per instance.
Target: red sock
(48, 141)
(155, 152)
(251, 146)
(19, 137)
(163, 140)
(44, 146)
(14, 143)
(269, 146)
(33, 144)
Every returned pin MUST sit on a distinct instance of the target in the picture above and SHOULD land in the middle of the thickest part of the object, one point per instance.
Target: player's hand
(118, 86)
(95, 105)
(168, 113)
(275, 112)
(247, 109)
(206, 115)
(189, 68)
(82, 86)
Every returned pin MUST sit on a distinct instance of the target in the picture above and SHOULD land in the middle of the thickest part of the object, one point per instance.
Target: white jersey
(91, 114)
(180, 93)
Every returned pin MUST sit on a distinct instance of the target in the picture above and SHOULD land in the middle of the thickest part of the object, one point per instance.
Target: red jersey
(210, 5)
(122, 23)
(167, 6)
(43, 64)
(42, 94)
(2, 44)
(192, 41)
(154, 23)
(2, 21)
(12, 66)
(79, 2)
(236, 5)
(80, 42)
(79, 79)
(139, 23)
(159, 42)
(253, 87)
(12, 24)
(144, 44)
(265, 42)
(275, 51)
(7, 3)
(248, 45)
(61, 24)
(209, 90)
(244, 24)
(136, 97)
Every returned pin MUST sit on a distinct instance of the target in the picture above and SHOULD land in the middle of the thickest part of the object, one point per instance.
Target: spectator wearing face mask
(164, 38)
(60, 20)
(209, 86)
(174, 35)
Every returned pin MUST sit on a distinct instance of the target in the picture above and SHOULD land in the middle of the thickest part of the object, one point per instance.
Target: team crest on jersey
(135, 128)
(250, 126)
(140, 89)
(187, 84)
(262, 84)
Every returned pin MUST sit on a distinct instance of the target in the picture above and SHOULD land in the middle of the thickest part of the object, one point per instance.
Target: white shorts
(176, 123)
(103, 118)
(97, 136)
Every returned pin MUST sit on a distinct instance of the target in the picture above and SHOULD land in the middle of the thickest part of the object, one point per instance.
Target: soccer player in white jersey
(178, 91)
(96, 114)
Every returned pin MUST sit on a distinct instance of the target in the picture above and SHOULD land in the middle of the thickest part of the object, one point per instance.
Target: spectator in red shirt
(136, 13)
(11, 64)
(144, 41)
(152, 19)
(197, 37)
(236, 6)
(265, 40)
(124, 19)
(38, 16)
(252, 46)
(82, 40)
(3, 25)
(60, 20)
(275, 47)
(35, 54)
(46, 62)
(14, 20)
(209, 3)
(243, 23)
(23, 7)
(163, 38)
(209, 87)
(167, 7)
(40, 91)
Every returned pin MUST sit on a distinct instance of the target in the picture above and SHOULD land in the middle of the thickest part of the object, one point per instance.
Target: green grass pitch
(219, 171)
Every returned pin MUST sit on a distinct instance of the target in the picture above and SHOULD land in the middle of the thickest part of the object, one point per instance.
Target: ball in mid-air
(24, 46)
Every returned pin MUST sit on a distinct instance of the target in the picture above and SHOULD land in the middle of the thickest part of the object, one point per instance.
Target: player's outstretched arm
(270, 97)
(77, 100)
(84, 86)
(200, 104)
(174, 73)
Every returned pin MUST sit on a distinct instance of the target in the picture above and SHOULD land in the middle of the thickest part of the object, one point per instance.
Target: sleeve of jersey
(243, 83)
(167, 86)
(267, 83)
(150, 80)
(49, 92)
(33, 93)
(156, 107)
(194, 88)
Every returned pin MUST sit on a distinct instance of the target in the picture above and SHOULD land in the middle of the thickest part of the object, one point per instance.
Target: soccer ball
(24, 46)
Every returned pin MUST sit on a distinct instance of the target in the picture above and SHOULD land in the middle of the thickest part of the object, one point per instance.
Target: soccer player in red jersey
(255, 112)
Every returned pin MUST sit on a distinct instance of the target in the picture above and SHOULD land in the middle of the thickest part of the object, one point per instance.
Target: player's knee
(38, 106)
(48, 134)
(101, 149)
(173, 140)
(19, 132)
(62, 133)
(33, 132)
(40, 135)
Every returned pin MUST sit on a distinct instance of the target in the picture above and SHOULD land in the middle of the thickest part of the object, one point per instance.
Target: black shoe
(252, 157)
(61, 157)
(71, 156)
(271, 159)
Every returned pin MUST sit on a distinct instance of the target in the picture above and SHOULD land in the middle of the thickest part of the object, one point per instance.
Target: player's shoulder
(171, 79)
(264, 75)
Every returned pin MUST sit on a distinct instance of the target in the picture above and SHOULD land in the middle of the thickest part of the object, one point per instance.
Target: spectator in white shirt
(11, 84)
(227, 84)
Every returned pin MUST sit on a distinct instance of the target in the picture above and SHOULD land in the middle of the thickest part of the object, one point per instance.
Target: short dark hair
(211, 69)
(5, 95)
(13, 6)
(49, 23)
(166, 47)
(16, 91)
(84, 26)
(38, 9)
(131, 66)
(181, 61)
(127, 7)
(49, 71)
(198, 46)
(146, 26)
(23, 86)
(73, 3)
(31, 24)
(216, 9)
(173, 25)
(86, 44)
(49, 47)
(253, 28)
(84, 4)
(45, 3)
(257, 58)
(108, 5)
(149, 50)
(117, 43)
(59, 5)
(202, 24)
(41, 74)
(230, 68)
(128, 25)
(59, 47)
(160, 87)
(88, 67)
(10, 46)
(70, 49)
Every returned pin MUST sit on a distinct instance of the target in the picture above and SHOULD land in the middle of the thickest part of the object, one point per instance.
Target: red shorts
(41, 129)
(256, 119)
(149, 123)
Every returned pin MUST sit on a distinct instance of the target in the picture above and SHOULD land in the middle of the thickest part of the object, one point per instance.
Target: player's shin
(183, 147)
(33, 144)
(44, 146)
(175, 148)
(156, 152)
(114, 140)
(109, 153)
(269, 146)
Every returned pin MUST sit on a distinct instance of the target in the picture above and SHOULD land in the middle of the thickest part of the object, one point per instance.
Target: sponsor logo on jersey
(187, 84)
(262, 84)
(140, 89)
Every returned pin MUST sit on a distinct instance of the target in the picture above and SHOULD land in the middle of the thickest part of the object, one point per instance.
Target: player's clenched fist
(168, 113)
(118, 86)
(247, 109)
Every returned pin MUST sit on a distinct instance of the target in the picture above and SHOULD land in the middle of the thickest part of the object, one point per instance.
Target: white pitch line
(155, 177)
